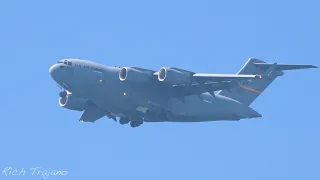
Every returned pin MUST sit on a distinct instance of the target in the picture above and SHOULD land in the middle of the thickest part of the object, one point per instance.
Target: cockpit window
(66, 62)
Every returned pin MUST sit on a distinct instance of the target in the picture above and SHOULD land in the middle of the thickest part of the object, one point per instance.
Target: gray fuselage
(101, 85)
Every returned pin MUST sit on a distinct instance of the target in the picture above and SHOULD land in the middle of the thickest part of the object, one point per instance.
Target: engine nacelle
(174, 76)
(73, 103)
(132, 75)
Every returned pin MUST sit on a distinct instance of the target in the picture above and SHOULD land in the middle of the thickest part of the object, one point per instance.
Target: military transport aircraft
(135, 95)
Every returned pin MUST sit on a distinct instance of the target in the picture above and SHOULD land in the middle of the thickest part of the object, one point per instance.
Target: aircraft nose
(55, 72)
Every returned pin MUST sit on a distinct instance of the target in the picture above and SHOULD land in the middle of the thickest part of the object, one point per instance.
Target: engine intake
(133, 75)
(173, 76)
(73, 103)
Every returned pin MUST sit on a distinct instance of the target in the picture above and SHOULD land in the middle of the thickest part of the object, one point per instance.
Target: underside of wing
(195, 89)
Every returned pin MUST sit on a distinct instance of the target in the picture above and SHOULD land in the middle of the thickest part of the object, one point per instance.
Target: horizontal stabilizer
(280, 67)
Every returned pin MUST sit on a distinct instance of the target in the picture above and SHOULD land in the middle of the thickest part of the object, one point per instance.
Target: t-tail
(247, 91)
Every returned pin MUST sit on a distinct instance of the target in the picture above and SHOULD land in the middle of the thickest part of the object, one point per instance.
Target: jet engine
(174, 76)
(133, 75)
(71, 102)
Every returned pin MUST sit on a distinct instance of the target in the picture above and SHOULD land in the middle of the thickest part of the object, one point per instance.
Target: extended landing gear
(123, 121)
(133, 123)
(136, 123)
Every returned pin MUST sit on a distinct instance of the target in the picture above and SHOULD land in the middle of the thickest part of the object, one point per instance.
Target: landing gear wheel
(123, 121)
(133, 124)
(136, 123)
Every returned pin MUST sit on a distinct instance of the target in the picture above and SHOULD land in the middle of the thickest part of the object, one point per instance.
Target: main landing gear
(133, 123)
(136, 123)
(123, 121)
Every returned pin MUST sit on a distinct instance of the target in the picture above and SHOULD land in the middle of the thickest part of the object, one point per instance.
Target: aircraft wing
(203, 82)
(224, 77)
(148, 71)
(202, 77)
(196, 89)
(209, 83)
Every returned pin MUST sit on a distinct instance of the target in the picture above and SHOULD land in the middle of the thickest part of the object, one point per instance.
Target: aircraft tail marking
(249, 90)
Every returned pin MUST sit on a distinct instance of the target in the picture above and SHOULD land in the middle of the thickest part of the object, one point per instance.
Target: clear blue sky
(204, 36)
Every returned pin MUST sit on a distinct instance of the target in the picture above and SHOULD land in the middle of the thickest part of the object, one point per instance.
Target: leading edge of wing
(148, 71)
(227, 76)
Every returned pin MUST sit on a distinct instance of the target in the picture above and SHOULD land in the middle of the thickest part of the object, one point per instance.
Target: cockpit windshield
(66, 62)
